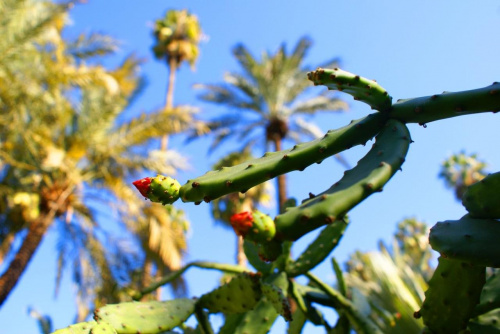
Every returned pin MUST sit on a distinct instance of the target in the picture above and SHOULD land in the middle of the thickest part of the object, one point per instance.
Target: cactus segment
(242, 177)
(261, 318)
(370, 175)
(490, 296)
(468, 239)
(254, 226)
(319, 249)
(252, 254)
(239, 295)
(482, 199)
(270, 251)
(362, 89)
(146, 317)
(159, 189)
(80, 328)
(427, 109)
(454, 291)
(278, 299)
(103, 328)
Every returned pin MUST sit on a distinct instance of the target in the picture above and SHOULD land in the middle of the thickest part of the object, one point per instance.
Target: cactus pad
(278, 299)
(242, 177)
(159, 189)
(369, 176)
(482, 199)
(453, 292)
(103, 328)
(146, 317)
(468, 239)
(80, 328)
(362, 89)
(319, 249)
(239, 295)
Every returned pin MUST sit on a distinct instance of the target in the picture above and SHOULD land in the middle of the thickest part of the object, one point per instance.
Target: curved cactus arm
(361, 323)
(319, 249)
(468, 239)
(362, 89)
(244, 176)
(370, 175)
(80, 328)
(453, 293)
(146, 317)
(482, 199)
(440, 106)
(223, 267)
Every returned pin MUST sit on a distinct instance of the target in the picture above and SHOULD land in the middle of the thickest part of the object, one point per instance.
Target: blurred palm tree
(460, 171)
(388, 285)
(263, 100)
(177, 37)
(67, 149)
(224, 207)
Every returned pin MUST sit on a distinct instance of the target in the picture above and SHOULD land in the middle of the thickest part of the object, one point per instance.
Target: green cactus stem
(468, 239)
(103, 328)
(319, 249)
(159, 189)
(278, 299)
(146, 317)
(453, 293)
(490, 296)
(242, 177)
(427, 109)
(239, 295)
(369, 176)
(80, 328)
(482, 199)
(362, 89)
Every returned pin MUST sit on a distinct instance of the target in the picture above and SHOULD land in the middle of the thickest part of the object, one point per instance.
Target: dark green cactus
(362, 89)
(490, 296)
(277, 298)
(482, 199)
(369, 176)
(244, 176)
(319, 249)
(468, 239)
(239, 295)
(146, 317)
(453, 293)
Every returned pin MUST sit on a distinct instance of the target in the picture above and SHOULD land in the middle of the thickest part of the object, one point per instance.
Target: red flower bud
(143, 185)
(242, 222)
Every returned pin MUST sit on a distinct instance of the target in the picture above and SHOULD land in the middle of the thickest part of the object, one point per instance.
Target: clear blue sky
(411, 48)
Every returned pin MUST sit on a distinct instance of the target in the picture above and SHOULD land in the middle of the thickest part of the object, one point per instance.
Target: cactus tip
(143, 185)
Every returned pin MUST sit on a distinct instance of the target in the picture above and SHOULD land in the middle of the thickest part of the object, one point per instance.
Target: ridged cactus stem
(225, 268)
(427, 109)
(242, 177)
(359, 321)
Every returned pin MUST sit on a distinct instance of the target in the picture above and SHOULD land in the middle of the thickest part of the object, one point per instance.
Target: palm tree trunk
(241, 258)
(169, 100)
(36, 231)
(281, 179)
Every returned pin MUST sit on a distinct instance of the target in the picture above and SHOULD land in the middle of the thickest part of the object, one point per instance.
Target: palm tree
(64, 157)
(263, 99)
(177, 37)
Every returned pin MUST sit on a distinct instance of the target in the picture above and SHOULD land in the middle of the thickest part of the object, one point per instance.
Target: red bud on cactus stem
(242, 222)
(143, 185)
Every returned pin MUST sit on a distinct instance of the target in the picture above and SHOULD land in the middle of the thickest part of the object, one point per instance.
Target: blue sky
(411, 48)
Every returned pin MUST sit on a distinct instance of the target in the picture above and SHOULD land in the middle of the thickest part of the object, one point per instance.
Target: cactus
(490, 296)
(161, 189)
(278, 299)
(254, 226)
(319, 249)
(369, 176)
(468, 239)
(241, 294)
(103, 328)
(453, 293)
(243, 176)
(146, 317)
(362, 89)
(482, 199)
(80, 328)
